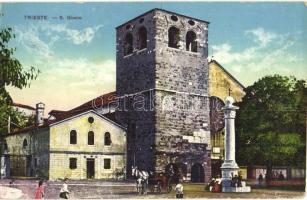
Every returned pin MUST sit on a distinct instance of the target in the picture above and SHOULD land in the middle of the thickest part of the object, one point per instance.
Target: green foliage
(13, 74)
(19, 120)
(271, 122)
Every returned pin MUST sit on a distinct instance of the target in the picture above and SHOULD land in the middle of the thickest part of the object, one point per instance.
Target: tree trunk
(268, 175)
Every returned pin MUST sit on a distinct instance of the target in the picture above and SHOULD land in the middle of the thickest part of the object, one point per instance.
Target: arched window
(173, 37)
(142, 38)
(90, 138)
(73, 137)
(107, 139)
(25, 143)
(191, 43)
(128, 44)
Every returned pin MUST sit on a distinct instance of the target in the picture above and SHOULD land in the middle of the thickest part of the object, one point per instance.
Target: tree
(271, 123)
(12, 73)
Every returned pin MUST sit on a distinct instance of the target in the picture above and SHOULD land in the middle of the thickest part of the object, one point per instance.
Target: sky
(76, 57)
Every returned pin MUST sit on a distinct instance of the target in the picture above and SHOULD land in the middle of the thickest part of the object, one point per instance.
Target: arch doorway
(197, 173)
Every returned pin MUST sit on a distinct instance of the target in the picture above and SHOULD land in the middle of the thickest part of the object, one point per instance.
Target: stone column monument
(229, 167)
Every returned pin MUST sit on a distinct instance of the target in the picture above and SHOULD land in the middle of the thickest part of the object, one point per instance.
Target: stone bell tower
(162, 83)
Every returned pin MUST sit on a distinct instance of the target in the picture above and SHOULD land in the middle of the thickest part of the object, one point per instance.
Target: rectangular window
(72, 163)
(107, 163)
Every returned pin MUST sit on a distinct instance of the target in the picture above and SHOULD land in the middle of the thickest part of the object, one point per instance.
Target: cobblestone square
(126, 190)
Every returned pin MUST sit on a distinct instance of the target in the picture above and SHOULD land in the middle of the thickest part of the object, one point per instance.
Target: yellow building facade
(98, 149)
(221, 83)
(87, 145)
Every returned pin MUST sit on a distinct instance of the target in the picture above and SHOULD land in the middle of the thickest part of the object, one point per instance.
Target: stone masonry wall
(182, 128)
(135, 77)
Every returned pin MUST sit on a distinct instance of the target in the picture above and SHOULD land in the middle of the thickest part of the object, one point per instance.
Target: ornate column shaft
(229, 167)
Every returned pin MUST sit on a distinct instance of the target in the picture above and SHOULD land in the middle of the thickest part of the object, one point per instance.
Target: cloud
(31, 41)
(81, 71)
(78, 37)
(273, 53)
(224, 52)
(262, 37)
(40, 38)
(63, 82)
(69, 84)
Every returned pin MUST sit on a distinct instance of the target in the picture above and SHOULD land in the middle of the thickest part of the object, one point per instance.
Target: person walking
(64, 192)
(39, 192)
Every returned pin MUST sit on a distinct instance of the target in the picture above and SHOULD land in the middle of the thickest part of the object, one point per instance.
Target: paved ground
(118, 190)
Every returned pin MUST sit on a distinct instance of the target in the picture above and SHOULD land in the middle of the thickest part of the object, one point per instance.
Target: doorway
(197, 173)
(90, 168)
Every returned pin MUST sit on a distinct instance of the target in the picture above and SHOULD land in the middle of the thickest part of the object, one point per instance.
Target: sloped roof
(93, 104)
(229, 74)
(22, 106)
(60, 115)
(109, 117)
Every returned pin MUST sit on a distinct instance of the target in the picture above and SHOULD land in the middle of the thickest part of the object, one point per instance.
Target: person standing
(64, 193)
(179, 190)
(260, 179)
(39, 192)
(240, 180)
(281, 176)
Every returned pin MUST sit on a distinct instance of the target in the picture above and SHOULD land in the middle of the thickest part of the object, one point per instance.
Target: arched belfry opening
(128, 44)
(142, 38)
(173, 37)
(191, 43)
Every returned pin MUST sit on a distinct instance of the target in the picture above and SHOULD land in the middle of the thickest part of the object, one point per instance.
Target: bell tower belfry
(162, 82)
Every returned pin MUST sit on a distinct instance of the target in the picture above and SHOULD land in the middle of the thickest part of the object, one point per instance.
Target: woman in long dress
(39, 192)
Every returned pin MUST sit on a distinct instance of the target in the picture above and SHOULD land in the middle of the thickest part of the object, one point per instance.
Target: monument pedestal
(229, 169)
(226, 187)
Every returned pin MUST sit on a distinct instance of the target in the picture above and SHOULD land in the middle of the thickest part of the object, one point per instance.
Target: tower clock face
(217, 122)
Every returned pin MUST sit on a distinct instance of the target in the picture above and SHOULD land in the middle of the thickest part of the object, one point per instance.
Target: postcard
(126, 100)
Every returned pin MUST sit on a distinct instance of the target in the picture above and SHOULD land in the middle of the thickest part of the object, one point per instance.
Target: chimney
(9, 125)
(40, 107)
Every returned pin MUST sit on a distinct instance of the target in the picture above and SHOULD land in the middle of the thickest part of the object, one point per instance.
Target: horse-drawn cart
(155, 182)
(159, 183)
